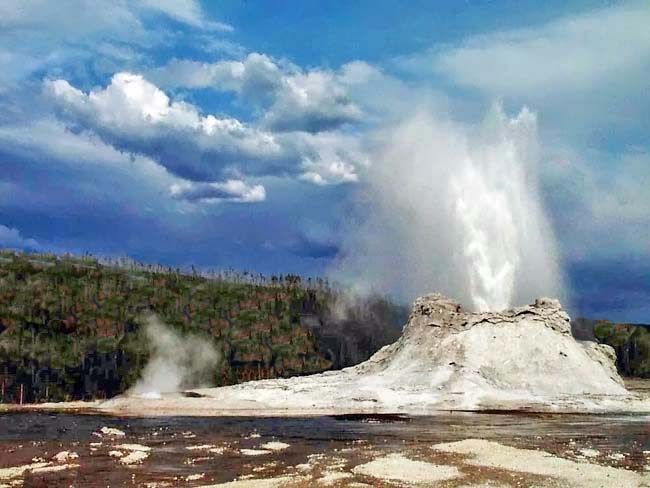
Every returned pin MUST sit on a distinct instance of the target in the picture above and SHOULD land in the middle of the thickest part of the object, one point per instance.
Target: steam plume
(455, 208)
(176, 361)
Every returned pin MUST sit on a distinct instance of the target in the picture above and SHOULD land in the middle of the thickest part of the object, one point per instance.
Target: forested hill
(630, 341)
(72, 327)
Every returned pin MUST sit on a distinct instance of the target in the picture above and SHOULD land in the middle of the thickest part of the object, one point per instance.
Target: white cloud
(70, 18)
(603, 211)
(210, 44)
(313, 177)
(314, 101)
(565, 55)
(77, 178)
(331, 158)
(90, 37)
(39, 35)
(12, 239)
(84, 16)
(230, 190)
(585, 74)
(49, 139)
(187, 11)
(293, 99)
(97, 171)
(256, 75)
(135, 115)
(49, 143)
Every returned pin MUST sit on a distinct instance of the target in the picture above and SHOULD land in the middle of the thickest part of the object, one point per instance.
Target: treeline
(632, 345)
(227, 275)
(630, 341)
(71, 327)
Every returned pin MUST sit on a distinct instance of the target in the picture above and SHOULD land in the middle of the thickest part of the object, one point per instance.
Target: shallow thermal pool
(195, 451)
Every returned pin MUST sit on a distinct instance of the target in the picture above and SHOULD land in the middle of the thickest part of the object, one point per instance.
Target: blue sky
(243, 133)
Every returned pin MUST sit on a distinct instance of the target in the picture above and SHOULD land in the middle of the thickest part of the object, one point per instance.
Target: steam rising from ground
(456, 209)
(176, 361)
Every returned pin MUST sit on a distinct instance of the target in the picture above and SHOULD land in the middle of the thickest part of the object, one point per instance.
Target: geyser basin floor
(582, 450)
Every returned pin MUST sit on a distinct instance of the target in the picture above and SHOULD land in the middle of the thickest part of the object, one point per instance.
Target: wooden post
(21, 393)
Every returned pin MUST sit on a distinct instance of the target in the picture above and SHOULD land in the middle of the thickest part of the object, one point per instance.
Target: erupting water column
(455, 208)
(493, 205)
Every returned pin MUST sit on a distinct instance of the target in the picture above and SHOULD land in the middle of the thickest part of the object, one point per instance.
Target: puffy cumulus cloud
(135, 115)
(331, 158)
(12, 239)
(294, 100)
(230, 190)
(313, 102)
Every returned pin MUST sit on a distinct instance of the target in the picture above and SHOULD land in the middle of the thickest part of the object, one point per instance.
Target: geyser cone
(446, 359)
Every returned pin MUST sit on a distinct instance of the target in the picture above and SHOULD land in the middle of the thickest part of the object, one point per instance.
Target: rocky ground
(452, 451)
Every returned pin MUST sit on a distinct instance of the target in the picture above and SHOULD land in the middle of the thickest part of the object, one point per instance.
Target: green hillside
(632, 345)
(71, 327)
